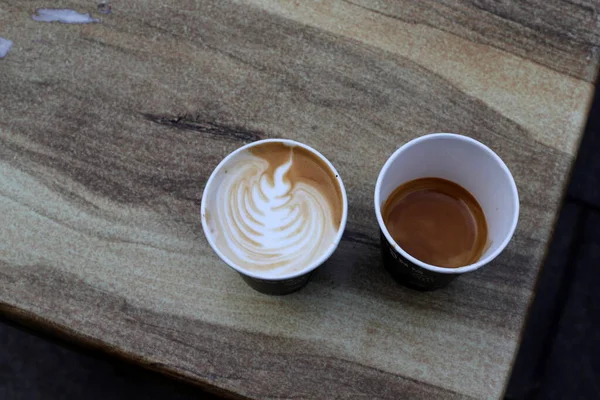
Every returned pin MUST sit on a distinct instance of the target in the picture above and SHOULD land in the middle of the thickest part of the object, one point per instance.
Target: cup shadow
(358, 267)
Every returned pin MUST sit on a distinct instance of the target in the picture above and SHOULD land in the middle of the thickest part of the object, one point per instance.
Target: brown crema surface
(306, 167)
(436, 221)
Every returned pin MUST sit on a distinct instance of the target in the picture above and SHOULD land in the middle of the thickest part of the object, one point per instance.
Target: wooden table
(109, 131)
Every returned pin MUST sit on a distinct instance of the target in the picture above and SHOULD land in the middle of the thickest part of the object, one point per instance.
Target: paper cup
(282, 284)
(466, 162)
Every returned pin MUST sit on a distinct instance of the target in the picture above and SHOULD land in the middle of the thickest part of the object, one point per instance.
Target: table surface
(109, 131)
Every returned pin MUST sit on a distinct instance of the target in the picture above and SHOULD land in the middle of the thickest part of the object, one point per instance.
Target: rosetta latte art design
(265, 222)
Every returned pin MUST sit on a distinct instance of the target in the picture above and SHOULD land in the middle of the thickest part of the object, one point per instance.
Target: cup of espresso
(446, 204)
(274, 210)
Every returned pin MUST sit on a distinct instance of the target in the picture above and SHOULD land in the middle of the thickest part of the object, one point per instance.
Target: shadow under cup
(461, 160)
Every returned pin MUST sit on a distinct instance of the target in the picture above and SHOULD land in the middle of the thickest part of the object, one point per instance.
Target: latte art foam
(276, 209)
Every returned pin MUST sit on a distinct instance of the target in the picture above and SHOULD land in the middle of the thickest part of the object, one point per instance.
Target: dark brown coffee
(436, 221)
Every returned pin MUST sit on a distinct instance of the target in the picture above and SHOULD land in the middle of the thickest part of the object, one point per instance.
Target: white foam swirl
(267, 223)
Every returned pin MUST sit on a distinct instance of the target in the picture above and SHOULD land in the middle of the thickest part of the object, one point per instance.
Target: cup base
(410, 275)
(277, 287)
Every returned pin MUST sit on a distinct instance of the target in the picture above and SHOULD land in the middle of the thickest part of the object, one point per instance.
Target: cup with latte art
(274, 210)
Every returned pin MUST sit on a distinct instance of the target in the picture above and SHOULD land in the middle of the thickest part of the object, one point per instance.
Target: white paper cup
(282, 284)
(466, 162)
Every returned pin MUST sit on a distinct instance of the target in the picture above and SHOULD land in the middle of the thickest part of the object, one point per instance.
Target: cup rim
(430, 267)
(312, 266)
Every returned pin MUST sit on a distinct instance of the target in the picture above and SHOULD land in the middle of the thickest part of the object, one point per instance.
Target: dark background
(559, 357)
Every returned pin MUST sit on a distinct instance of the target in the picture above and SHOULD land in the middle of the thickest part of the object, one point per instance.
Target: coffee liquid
(274, 209)
(436, 221)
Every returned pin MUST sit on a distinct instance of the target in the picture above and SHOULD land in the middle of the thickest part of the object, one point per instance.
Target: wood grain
(108, 133)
